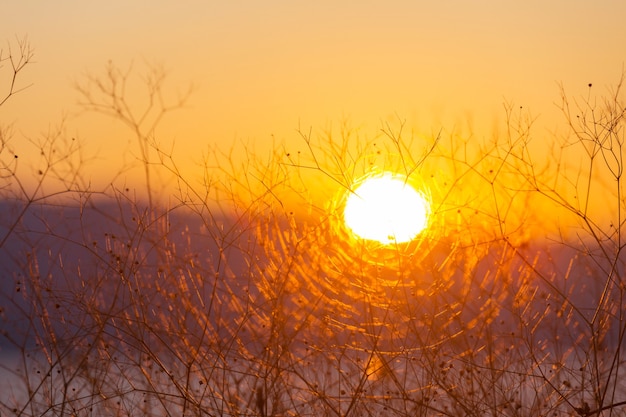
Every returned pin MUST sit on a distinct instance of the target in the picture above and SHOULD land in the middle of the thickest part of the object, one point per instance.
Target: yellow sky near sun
(261, 69)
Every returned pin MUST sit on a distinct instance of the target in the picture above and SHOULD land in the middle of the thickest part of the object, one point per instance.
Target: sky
(261, 70)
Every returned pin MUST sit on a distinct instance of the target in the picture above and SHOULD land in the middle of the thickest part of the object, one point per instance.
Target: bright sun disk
(386, 209)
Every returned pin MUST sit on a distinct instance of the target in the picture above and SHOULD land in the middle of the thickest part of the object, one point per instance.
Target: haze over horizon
(260, 70)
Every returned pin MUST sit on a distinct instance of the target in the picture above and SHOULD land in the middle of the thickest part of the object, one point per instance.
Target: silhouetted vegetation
(243, 294)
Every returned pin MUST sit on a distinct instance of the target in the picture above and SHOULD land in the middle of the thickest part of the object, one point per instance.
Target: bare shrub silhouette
(248, 295)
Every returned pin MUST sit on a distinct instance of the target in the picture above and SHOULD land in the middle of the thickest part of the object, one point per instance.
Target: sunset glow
(386, 209)
(312, 208)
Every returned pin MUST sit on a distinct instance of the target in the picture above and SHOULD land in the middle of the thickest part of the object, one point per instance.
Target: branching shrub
(248, 295)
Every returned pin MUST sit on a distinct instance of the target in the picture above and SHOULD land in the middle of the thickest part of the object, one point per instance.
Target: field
(243, 293)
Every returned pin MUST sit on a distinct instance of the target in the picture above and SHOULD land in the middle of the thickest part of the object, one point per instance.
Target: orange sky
(261, 69)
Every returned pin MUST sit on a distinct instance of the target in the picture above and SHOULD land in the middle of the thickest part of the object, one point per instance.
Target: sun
(387, 209)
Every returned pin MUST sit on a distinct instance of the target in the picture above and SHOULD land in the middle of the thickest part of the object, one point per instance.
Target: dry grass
(247, 297)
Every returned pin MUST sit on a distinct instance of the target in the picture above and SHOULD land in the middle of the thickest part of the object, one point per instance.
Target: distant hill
(84, 257)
